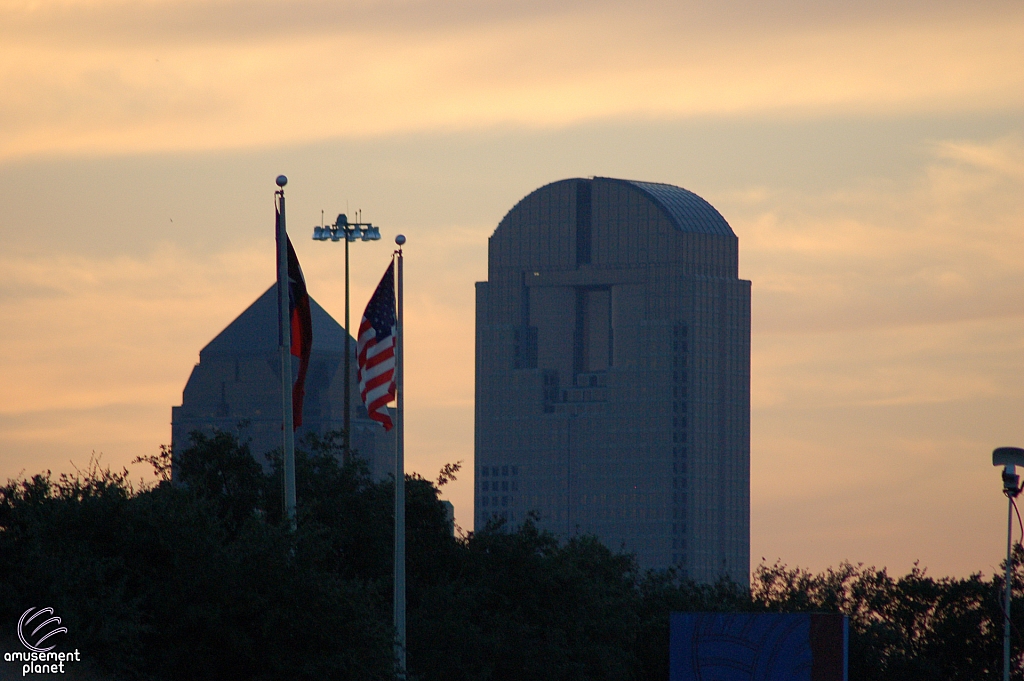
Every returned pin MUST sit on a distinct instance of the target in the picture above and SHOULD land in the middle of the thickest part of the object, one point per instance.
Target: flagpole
(399, 474)
(346, 456)
(285, 350)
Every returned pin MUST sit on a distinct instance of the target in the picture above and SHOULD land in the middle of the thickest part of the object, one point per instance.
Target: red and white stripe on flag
(376, 351)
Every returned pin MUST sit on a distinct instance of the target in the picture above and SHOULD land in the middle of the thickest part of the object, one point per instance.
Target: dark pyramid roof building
(236, 387)
(255, 330)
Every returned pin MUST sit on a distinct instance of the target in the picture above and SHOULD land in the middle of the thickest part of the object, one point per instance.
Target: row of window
(509, 516)
(496, 486)
(634, 500)
(495, 471)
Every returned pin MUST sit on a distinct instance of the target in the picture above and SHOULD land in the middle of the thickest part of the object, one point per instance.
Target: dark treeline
(201, 580)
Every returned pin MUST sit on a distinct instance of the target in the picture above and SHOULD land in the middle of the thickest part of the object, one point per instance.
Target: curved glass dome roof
(687, 211)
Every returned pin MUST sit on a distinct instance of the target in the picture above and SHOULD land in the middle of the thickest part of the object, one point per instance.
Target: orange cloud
(165, 76)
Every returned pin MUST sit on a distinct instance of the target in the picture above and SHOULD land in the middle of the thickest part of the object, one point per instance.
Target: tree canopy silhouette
(200, 578)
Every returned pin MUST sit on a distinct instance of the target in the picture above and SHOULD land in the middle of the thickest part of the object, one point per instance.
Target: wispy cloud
(887, 351)
(84, 332)
(1003, 159)
(128, 76)
(940, 246)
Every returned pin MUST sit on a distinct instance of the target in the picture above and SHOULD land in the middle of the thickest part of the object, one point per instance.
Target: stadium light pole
(342, 229)
(1009, 458)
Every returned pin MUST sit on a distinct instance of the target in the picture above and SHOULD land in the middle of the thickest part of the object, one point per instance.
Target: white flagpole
(285, 349)
(399, 475)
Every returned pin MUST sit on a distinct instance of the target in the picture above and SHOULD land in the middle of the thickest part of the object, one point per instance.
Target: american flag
(376, 348)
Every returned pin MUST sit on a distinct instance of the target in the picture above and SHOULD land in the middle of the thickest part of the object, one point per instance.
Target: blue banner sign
(758, 647)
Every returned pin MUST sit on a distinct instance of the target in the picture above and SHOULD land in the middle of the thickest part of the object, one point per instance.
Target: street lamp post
(342, 229)
(1009, 458)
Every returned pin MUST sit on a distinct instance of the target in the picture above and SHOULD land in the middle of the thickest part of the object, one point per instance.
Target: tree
(202, 579)
(913, 627)
(189, 580)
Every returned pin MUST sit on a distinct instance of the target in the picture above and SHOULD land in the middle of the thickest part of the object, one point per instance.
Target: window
(551, 392)
(593, 351)
(524, 350)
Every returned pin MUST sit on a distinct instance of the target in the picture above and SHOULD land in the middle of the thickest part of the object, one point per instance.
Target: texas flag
(301, 329)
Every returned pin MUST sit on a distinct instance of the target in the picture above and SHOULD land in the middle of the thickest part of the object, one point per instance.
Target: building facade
(613, 374)
(236, 387)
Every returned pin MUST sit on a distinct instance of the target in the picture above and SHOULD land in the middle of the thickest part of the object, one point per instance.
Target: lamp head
(342, 220)
(1009, 458)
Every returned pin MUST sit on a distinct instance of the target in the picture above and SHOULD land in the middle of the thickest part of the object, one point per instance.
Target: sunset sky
(870, 157)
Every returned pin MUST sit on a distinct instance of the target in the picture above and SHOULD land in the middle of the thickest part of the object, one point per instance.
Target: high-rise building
(236, 387)
(613, 374)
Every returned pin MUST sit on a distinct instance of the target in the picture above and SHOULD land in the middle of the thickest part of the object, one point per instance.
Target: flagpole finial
(282, 180)
(400, 239)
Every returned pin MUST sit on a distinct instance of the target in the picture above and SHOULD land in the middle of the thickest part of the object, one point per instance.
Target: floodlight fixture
(343, 230)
